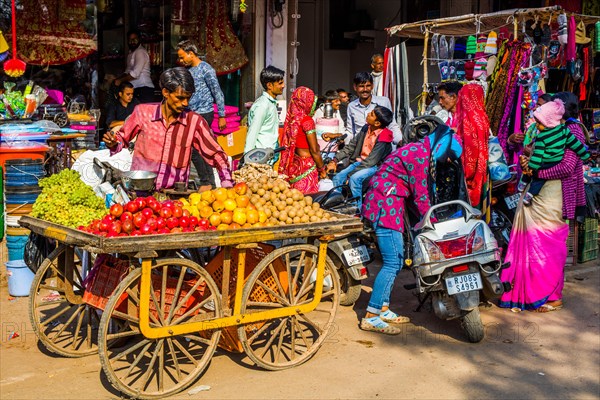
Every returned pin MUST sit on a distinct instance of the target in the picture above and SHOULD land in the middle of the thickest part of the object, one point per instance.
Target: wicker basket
(229, 337)
(109, 271)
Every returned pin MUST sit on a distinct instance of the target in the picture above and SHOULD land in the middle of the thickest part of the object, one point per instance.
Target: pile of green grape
(67, 201)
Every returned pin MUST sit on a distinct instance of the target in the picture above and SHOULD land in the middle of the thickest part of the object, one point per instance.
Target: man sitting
(365, 151)
(117, 111)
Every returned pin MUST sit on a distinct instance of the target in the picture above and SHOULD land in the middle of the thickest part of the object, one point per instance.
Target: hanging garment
(224, 51)
(50, 32)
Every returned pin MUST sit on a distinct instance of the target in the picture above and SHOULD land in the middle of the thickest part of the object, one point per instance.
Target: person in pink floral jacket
(403, 175)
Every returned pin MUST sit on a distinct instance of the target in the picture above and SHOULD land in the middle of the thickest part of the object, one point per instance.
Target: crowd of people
(386, 172)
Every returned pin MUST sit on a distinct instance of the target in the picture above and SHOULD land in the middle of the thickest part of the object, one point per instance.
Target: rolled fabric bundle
(460, 48)
(571, 51)
(480, 68)
(491, 46)
(597, 36)
(480, 46)
(563, 33)
(471, 46)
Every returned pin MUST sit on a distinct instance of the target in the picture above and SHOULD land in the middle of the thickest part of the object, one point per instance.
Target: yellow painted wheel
(143, 368)
(287, 278)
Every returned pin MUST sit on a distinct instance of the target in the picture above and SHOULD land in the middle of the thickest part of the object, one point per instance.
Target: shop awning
(466, 25)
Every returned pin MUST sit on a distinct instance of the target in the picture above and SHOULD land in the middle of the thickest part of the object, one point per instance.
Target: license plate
(464, 283)
(357, 255)
(512, 201)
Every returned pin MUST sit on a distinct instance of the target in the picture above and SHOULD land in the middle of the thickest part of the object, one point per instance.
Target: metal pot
(138, 180)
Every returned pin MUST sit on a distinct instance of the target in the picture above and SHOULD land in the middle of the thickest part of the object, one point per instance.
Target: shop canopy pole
(425, 74)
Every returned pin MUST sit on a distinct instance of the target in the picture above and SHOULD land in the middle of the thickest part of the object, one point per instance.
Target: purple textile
(570, 171)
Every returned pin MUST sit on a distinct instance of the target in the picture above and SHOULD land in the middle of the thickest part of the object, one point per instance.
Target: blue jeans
(391, 246)
(356, 180)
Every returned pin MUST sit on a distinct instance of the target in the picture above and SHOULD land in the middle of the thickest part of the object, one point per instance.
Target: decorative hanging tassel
(14, 67)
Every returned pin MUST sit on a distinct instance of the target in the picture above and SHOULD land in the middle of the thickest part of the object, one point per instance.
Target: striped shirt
(167, 150)
(207, 90)
(550, 147)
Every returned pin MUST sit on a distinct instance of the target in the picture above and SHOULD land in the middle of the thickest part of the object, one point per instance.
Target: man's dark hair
(571, 104)
(384, 115)
(331, 95)
(189, 46)
(341, 90)
(450, 87)
(132, 31)
(123, 86)
(363, 77)
(270, 74)
(173, 78)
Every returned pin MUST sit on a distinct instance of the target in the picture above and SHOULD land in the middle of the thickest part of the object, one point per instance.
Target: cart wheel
(286, 278)
(66, 326)
(155, 368)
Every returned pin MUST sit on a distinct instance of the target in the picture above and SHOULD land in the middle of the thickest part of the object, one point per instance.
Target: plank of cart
(134, 244)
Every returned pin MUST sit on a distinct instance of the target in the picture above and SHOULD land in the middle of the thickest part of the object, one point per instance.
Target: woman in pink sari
(537, 249)
(301, 160)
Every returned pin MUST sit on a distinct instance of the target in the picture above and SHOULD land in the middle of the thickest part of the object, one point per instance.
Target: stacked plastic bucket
(21, 189)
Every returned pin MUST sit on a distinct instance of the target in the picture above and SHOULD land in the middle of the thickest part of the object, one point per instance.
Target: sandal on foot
(375, 324)
(544, 308)
(392, 317)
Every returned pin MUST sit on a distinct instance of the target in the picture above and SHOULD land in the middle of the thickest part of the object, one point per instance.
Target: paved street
(524, 355)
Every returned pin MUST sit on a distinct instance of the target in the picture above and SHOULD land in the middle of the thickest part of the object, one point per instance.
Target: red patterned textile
(473, 129)
(224, 51)
(49, 32)
(300, 106)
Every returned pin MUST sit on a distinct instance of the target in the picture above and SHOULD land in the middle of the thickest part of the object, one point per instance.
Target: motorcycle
(349, 252)
(456, 263)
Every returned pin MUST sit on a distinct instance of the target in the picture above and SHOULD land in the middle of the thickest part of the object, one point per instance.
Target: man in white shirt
(377, 73)
(138, 69)
(364, 104)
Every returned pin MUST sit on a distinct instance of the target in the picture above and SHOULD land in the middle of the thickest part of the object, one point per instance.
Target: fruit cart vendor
(166, 134)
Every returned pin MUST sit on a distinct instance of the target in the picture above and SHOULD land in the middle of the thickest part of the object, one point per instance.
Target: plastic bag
(498, 167)
(37, 248)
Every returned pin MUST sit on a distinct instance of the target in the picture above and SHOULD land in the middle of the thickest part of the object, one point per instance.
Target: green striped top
(550, 146)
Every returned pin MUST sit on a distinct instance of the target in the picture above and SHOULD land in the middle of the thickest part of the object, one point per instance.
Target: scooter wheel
(472, 326)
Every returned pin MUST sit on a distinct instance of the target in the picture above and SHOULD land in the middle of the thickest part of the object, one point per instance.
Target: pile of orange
(256, 204)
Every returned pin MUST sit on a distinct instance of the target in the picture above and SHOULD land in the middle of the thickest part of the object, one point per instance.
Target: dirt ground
(524, 355)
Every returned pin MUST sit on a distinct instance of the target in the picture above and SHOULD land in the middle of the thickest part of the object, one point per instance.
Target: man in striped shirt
(166, 134)
(550, 144)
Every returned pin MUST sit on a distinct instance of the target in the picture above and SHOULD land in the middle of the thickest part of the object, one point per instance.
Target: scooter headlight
(476, 240)
(428, 248)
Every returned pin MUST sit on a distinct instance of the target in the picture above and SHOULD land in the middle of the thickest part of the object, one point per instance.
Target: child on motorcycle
(364, 152)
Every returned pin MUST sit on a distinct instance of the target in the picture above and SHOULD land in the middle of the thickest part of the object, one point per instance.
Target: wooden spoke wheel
(286, 278)
(145, 368)
(61, 320)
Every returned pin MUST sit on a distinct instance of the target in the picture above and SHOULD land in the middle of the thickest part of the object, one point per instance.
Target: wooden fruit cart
(161, 325)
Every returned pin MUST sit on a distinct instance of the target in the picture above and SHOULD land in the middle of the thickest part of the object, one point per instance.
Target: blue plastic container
(27, 197)
(16, 247)
(20, 278)
(23, 172)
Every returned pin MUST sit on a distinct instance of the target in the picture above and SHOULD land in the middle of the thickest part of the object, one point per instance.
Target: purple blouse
(570, 171)
(403, 174)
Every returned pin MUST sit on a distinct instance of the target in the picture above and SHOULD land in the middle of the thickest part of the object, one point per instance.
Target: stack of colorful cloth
(232, 116)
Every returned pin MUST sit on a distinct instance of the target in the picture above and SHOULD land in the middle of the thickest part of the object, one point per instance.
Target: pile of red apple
(146, 216)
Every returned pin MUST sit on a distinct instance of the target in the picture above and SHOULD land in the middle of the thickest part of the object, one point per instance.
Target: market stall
(165, 311)
(515, 55)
